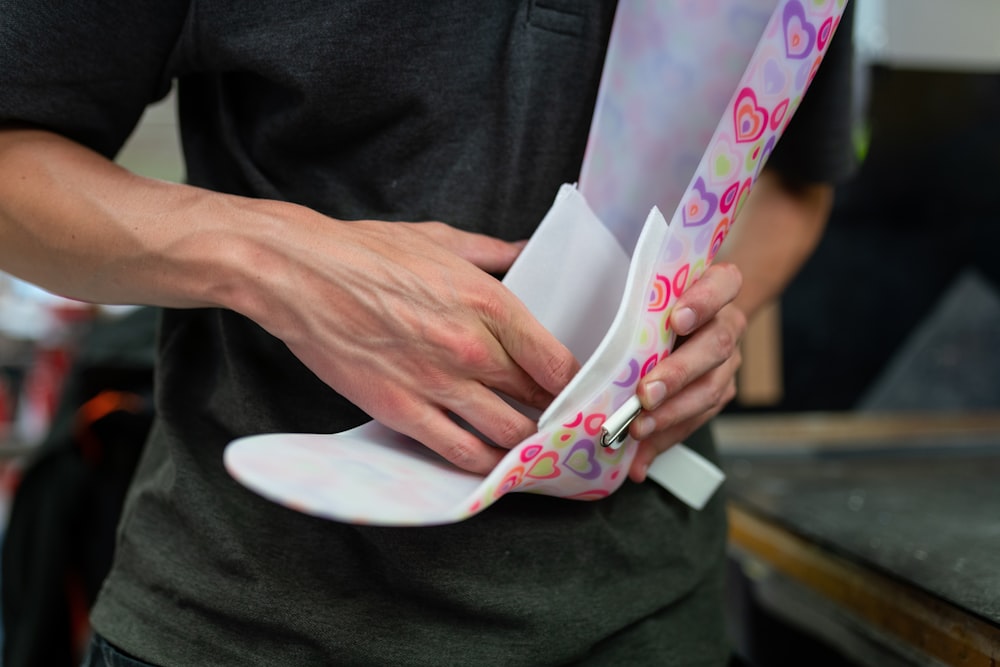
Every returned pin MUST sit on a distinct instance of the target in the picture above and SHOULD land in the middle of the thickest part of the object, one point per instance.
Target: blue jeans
(102, 654)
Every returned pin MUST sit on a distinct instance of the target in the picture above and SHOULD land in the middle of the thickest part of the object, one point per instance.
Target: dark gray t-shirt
(470, 113)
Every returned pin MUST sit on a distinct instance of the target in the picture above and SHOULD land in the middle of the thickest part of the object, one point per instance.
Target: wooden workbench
(879, 534)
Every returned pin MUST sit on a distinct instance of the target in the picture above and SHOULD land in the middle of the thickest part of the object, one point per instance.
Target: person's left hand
(698, 378)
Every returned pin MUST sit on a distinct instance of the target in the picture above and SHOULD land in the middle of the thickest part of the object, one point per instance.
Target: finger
(532, 347)
(490, 254)
(704, 351)
(518, 385)
(475, 354)
(546, 361)
(710, 393)
(718, 286)
(437, 431)
(660, 442)
(489, 415)
(651, 448)
(465, 381)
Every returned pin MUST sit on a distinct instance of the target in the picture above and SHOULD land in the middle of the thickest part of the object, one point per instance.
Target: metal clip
(615, 428)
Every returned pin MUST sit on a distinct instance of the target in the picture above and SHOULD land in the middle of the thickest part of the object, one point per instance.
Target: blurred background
(861, 450)
(864, 446)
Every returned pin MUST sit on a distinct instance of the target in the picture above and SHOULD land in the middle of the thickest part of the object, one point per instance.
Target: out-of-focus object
(929, 34)
(32, 314)
(872, 535)
(59, 539)
(38, 335)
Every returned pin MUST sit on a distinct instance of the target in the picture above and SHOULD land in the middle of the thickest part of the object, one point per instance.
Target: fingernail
(684, 321)
(655, 393)
(644, 427)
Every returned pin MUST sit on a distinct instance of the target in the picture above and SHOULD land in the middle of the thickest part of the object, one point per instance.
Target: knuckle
(718, 395)
(492, 304)
(561, 367)
(510, 432)
(471, 352)
(725, 343)
(735, 275)
(463, 348)
(739, 321)
(674, 376)
(462, 452)
(730, 393)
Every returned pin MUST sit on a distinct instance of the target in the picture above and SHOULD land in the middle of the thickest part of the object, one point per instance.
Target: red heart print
(749, 118)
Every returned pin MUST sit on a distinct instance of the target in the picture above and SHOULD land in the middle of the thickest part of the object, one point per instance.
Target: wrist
(231, 255)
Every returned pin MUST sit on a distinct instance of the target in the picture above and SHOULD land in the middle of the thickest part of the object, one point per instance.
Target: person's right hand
(402, 319)
(405, 320)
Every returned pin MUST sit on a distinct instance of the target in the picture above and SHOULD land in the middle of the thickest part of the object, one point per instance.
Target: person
(357, 173)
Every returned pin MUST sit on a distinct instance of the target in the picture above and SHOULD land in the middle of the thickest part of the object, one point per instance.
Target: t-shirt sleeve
(86, 70)
(817, 145)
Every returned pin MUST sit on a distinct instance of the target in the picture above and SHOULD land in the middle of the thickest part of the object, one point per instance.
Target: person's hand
(697, 380)
(405, 321)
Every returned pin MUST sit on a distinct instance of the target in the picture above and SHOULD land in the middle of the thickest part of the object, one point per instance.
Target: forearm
(76, 224)
(402, 319)
(776, 232)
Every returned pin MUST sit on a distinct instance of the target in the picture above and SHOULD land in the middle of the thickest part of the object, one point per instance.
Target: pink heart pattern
(564, 458)
(756, 116)
(749, 118)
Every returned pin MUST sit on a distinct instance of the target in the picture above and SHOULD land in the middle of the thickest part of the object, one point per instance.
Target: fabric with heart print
(372, 475)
